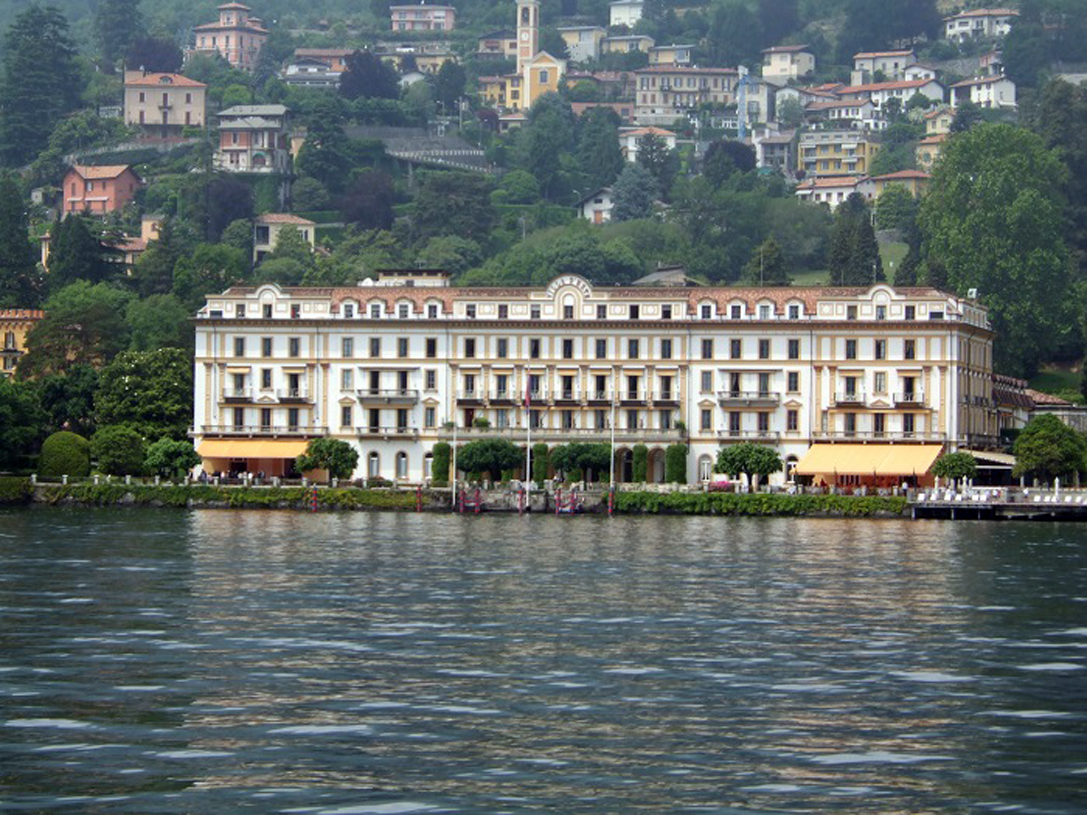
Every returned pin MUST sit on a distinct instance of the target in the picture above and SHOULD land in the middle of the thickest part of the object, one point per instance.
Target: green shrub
(439, 467)
(118, 450)
(675, 464)
(541, 462)
(14, 490)
(171, 458)
(65, 453)
(640, 465)
(758, 504)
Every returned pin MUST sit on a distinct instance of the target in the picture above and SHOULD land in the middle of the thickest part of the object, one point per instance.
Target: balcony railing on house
(849, 398)
(914, 398)
(374, 431)
(250, 430)
(762, 436)
(293, 395)
(237, 394)
(878, 435)
(563, 435)
(738, 398)
(386, 396)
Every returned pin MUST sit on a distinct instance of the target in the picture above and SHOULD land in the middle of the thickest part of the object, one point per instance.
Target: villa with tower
(538, 72)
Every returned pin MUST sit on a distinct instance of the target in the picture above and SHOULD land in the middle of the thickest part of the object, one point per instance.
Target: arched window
(401, 465)
(373, 469)
(428, 465)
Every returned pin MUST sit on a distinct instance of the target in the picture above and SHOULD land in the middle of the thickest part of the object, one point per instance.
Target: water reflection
(398, 663)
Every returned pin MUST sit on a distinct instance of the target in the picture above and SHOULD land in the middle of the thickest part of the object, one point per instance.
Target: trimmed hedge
(181, 496)
(758, 504)
(65, 453)
(14, 490)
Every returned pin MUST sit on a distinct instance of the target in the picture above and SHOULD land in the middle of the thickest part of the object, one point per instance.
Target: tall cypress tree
(598, 153)
(76, 254)
(853, 256)
(18, 276)
(117, 25)
(42, 82)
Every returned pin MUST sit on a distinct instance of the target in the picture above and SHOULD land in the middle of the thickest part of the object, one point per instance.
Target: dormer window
(375, 310)
(736, 312)
(794, 312)
(349, 311)
(706, 312)
(432, 311)
(764, 312)
(470, 311)
(402, 311)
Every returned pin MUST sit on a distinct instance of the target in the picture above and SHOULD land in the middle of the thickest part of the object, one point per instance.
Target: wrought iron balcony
(738, 398)
(293, 395)
(251, 430)
(389, 396)
(374, 431)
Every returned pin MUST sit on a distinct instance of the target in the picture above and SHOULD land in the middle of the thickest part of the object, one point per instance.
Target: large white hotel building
(850, 385)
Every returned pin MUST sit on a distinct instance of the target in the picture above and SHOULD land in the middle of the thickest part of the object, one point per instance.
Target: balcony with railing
(258, 430)
(385, 432)
(293, 395)
(633, 396)
(850, 398)
(387, 396)
(567, 396)
(918, 436)
(237, 394)
(910, 399)
(559, 435)
(754, 436)
(668, 398)
(738, 398)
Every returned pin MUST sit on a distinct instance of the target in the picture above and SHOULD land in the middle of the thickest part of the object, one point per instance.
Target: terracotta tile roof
(932, 114)
(901, 174)
(981, 80)
(837, 103)
(939, 138)
(984, 12)
(94, 172)
(647, 131)
(784, 49)
(903, 84)
(1040, 398)
(283, 218)
(823, 182)
(871, 54)
(175, 80)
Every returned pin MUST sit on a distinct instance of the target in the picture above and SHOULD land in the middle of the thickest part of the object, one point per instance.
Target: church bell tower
(528, 31)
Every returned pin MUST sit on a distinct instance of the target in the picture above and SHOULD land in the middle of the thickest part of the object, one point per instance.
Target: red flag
(528, 395)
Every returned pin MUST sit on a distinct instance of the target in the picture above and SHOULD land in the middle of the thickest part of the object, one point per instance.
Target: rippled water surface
(214, 661)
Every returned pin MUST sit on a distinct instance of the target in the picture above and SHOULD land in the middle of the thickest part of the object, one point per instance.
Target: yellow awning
(868, 459)
(252, 448)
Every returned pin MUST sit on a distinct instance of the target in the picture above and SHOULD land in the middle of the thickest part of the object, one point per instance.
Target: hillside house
(163, 104)
(782, 63)
(237, 37)
(266, 229)
(97, 190)
(254, 139)
(15, 324)
(423, 18)
(981, 22)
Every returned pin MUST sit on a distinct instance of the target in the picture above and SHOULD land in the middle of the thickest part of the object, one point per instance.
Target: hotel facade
(849, 385)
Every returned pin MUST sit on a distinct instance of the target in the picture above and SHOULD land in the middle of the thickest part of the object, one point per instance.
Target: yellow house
(915, 182)
(542, 74)
(671, 54)
(938, 121)
(15, 324)
(836, 152)
(626, 44)
(928, 150)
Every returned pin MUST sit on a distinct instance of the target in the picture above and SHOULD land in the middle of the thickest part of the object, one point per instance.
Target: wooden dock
(1001, 505)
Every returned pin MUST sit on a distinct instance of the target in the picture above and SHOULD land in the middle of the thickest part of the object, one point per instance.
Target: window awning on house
(993, 461)
(251, 448)
(869, 459)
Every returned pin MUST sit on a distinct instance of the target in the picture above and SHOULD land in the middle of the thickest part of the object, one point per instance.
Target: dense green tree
(309, 194)
(159, 321)
(545, 140)
(748, 459)
(1026, 53)
(439, 465)
(118, 450)
(42, 81)
(908, 270)
(228, 200)
(1047, 448)
(490, 456)
(149, 390)
(77, 253)
(639, 457)
(896, 208)
(452, 203)
(520, 187)
(675, 464)
(326, 152)
(211, 268)
(335, 456)
(790, 113)
(369, 77)
(853, 256)
(368, 200)
(68, 399)
(725, 157)
(633, 193)
(154, 271)
(994, 217)
(581, 461)
(171, 458)
(872, 25)
(898, 150)
(118, 24)
(455, 255)
(83, 323)
(65, 453)
(449, 86)
(541, 462)
(154, 54)
(778, 19)
(767, 266)
(19, 281)
(22, 421)
(734, 37)
(598, 154)
(955, 466)
(662, 163)
(1062, 124)
(966, 116)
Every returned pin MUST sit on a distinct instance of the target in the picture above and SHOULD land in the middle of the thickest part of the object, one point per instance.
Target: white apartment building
(394, 367)
(985, 92)
(665, 93)
(981, 22)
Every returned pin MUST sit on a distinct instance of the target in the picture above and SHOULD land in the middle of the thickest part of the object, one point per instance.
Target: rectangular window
(401, 419)
(794, 349)
(534, 312)
(296, 312)
(879, 423)
(239, 346)
(851, 312)
(432, 311)
(764, 385)
(294, 347)
(907, 423)
(635, 312)
(348, 311)
(265, 378)
(402, 347)
(705, 421)
(266, 419)
(706, 382)
(881, 349)
(911, 312)
(909, 349)
(429, 417)
(792, 419)
(794, 312)
(632, 349)
(502, 349)
(601, 349)
(601, 312)
(268, 311)
(706, 312)
(880, 382)
(850, 349)
(534, 349)
(346, 416)
(764, 312)
(632, 420)
(666, 349)
(239, 418)
(707, 349)
(734, 419)
(764, 349)
(430, 379)
(792, 381)
(850, 424)
(375, 310)
(375, 347)
(666, 312)
(881, 312)
(347, 379)
(503, 312)
(469, 347)
(431, 347)
(735, 349)
(348, 344)
(567, 312)
(567, 349)
(265, 346)
(763, 422)
(736, 312)
(470, 311)
(239, 310)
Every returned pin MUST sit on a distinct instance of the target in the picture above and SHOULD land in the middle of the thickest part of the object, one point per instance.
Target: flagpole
(528, 427)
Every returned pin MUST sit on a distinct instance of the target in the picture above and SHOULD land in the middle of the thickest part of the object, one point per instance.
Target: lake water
(220, 661)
